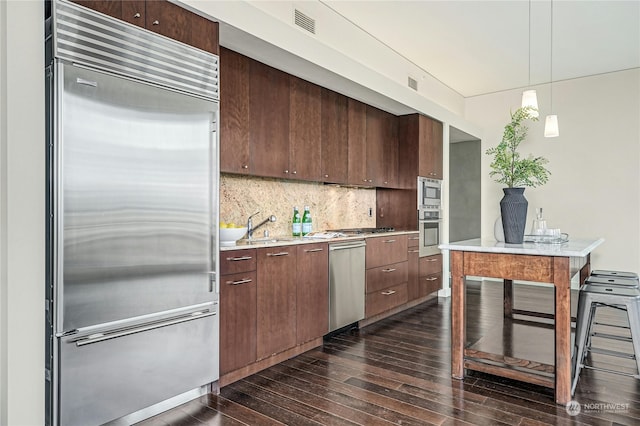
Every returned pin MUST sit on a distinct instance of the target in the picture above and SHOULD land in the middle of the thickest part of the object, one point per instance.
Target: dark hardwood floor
(397, 371)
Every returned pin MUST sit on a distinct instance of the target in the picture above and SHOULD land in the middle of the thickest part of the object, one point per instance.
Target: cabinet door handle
(389, 270)
(282, 253)
(237, 259)
(156, 22)
(414, 238)
(286, 172)
(242, 281)
(244, 166)
(388, 292)
(293, 172)
(313, 250)
(414, 251)
(431, 260)
(137, 15)
(431, 279)
(389, 241)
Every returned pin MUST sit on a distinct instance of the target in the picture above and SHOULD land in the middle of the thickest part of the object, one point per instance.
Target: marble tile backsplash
(331, 207)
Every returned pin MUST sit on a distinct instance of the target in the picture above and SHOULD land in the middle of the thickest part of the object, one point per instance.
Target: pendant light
(529, 97)
(551, 129)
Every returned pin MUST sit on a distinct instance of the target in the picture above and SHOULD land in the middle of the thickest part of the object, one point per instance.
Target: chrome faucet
(251, 228)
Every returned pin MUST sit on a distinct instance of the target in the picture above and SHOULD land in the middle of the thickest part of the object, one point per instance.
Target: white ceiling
(478, 47)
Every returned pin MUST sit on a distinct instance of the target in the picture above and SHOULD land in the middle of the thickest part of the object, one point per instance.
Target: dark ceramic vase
(513, 208)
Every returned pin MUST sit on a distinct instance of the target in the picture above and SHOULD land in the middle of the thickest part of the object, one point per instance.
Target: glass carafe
(539, 225)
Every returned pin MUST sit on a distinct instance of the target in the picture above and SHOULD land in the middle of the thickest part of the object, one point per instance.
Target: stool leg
(583, 328)
(633, 312)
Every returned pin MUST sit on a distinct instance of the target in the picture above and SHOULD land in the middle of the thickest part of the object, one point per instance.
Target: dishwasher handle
(347, 246)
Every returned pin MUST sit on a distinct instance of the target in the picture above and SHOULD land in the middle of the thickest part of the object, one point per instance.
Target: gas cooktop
(357, 231)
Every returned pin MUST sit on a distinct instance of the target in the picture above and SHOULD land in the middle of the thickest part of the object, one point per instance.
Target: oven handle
(430, 220)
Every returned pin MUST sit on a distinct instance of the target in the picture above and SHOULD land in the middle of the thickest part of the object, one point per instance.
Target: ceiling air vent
(303, 21)
(413, 83)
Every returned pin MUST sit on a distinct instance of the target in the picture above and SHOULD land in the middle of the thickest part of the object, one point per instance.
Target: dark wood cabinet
(335, 145)
(276, 300)
(268, 121)
(430, 275)
(387, 270)
(420, 149)
(413, 258)
(112, 8)
(430, 148)
(234, 112)
(238, 308)
(305, 147)
(135, 12)
(357, 140)
(382, 148)
(162, 17)
(312, 305)
(375, 146)
(386, 250)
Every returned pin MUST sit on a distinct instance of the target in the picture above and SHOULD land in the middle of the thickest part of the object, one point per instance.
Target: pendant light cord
(529, 76)
(551, 60)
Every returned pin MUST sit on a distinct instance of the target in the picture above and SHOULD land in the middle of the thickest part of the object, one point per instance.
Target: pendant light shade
(551, 129)
(530, 99)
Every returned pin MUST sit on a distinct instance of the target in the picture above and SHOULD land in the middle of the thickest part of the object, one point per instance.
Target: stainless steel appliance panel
(136, 228)
(346, 283)
(429, 193)
(105, 378)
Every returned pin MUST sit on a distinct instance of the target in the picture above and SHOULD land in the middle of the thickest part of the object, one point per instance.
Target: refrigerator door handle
(99, 337)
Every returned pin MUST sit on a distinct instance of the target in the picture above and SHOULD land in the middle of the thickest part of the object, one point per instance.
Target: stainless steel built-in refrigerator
(133, 181)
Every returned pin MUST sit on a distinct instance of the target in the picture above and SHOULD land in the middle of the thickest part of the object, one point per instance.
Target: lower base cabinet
(271, 300)
(276, 300)
(430, 275)
(238, 309)
(383, 300)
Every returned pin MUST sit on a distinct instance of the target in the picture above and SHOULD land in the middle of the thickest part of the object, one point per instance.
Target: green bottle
(306, 221)
(297, 223)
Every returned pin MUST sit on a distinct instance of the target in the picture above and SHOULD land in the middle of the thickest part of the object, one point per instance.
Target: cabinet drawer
(386, 250)
(431, 264)
(386, 299)
(386, 276)
(232, 262)
(428, 284)
(413, 241)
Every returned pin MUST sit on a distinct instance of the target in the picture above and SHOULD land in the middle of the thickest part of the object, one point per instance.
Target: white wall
(22, 195)
(594, 189)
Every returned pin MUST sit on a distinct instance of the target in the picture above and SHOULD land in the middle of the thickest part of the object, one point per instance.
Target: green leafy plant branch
(507, 166)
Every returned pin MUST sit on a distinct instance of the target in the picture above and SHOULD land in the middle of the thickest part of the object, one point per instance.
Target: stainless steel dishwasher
(346, 283)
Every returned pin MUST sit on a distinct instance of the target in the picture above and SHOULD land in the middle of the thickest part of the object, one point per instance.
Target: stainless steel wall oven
(429, 225)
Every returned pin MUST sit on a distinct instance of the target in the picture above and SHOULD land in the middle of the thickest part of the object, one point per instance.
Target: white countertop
(277, 241)
(577, 247)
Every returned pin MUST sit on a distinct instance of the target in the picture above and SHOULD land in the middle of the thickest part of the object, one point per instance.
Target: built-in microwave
(429, 193)
(429, 227)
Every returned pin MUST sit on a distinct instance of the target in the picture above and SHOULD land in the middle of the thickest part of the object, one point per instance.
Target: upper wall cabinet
(162, 17)
(335, 144)
(305, 148)
(430, 148)
(382, 148)
(357, 141)
(234, 112)
(420, 149)
(268, 121)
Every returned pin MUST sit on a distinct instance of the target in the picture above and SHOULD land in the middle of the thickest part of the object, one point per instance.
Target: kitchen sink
(266, 240)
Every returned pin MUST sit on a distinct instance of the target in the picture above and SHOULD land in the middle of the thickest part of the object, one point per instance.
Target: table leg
(458, 329)
(586, 270)
(508, 298)
(562, 283)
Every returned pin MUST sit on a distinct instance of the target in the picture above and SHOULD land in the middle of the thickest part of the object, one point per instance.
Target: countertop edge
(579, 247)
(302, 240)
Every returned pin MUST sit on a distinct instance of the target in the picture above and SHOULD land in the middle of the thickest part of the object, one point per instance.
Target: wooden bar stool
(592, 297)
